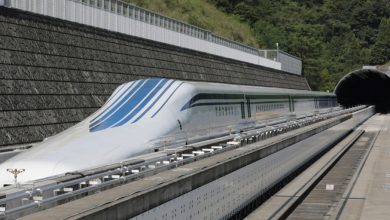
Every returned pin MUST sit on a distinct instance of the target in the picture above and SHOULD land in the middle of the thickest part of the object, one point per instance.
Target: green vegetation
(205, 15)
(332, 37)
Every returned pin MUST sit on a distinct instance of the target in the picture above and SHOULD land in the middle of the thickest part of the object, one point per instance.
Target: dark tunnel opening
(365, 87)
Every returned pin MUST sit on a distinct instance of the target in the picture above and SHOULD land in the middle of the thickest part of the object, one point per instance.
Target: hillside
(332, 37)
(203, 14)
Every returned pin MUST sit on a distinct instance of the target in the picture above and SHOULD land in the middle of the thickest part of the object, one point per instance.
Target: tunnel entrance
(365, 87)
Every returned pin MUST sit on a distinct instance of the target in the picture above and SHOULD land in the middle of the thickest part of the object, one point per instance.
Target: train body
(141, 112)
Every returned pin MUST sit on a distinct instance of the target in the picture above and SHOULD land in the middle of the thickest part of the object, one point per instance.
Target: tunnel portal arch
(364, 87)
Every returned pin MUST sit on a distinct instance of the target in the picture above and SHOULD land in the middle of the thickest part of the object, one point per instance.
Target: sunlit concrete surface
(370, 196)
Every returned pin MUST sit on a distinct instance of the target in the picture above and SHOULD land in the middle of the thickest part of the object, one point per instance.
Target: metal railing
(153, 18)
(290, 63)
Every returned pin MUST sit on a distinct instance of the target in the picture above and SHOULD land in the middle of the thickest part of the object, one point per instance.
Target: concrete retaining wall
(54, 73)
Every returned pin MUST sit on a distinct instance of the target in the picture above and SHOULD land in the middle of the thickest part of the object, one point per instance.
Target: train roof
(221, 87)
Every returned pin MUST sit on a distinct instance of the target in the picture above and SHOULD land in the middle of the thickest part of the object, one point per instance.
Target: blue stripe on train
(155, 101)
(119, 91)
(121, 99)
(166, 100)
(128, 106)
(143, 104)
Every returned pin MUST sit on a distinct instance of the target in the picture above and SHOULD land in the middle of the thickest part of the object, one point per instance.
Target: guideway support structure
(197, 189)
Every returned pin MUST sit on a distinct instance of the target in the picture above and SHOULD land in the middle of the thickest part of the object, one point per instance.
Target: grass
(203, 14)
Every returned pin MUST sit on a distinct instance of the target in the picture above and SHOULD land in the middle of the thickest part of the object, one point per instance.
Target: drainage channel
(322, 198)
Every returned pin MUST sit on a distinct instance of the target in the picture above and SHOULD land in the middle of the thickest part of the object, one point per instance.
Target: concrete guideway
(48, 192)
(354, 191)
(147, 193)
(369, 197)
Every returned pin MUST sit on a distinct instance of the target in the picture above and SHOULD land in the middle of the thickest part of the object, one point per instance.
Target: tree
(381, 49)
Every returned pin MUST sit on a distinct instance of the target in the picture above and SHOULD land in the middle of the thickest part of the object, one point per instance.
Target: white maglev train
(142, 111)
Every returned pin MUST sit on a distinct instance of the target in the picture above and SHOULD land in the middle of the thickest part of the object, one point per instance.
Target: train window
(125, 10)
(113, 6)
(106, 4)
